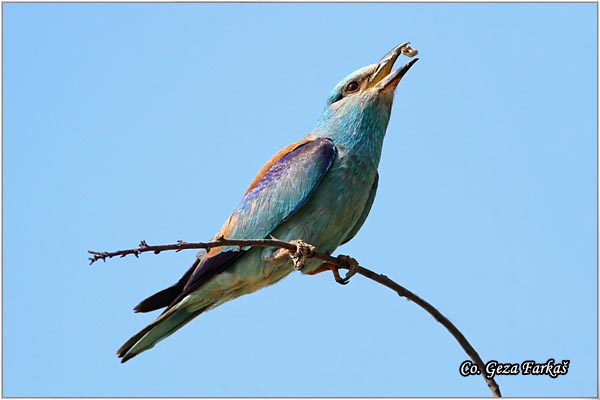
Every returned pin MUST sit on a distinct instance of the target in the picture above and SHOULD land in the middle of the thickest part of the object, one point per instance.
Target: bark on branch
(337, 262)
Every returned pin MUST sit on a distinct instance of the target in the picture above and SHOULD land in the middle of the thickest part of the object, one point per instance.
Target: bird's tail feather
(164, 298)
(167, 296)
(162, 327)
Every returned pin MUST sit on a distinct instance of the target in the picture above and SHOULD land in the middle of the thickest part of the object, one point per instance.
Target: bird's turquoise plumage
(319, 190)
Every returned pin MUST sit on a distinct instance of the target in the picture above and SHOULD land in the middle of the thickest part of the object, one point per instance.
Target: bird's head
(366, 95)
(375, 80)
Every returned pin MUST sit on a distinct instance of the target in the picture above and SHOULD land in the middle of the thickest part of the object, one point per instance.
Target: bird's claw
(337, 277)
(352, 269)
(303, 251)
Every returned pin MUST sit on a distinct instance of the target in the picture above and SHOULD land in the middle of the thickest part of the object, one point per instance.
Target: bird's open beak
(382, 78)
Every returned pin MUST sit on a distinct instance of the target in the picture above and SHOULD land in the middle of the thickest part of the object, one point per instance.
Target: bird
(318, 191)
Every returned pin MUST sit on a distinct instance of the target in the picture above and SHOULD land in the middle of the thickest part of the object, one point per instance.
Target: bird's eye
(352, 86)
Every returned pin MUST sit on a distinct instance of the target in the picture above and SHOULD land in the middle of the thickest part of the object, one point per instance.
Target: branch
(144, 247)
(334, 261)
(460, 338)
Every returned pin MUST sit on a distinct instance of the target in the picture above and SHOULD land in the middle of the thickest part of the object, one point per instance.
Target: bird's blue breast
(332, 211)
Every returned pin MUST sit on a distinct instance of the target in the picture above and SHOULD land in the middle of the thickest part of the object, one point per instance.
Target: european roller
(318, 190)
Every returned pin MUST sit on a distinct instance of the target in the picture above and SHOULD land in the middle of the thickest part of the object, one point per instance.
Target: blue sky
(124, 122)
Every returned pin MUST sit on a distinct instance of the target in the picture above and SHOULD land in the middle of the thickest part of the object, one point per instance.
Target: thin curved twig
(338, 262)
(460, 338)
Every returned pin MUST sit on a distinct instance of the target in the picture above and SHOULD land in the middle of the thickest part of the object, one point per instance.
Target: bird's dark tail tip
(162, 327)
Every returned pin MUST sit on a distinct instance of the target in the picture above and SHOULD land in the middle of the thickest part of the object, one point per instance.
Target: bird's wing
(365, 213)
(281, 187)
(279, 190)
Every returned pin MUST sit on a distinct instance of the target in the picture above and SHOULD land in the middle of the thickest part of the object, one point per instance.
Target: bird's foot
(303, 251)
(352, 269)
